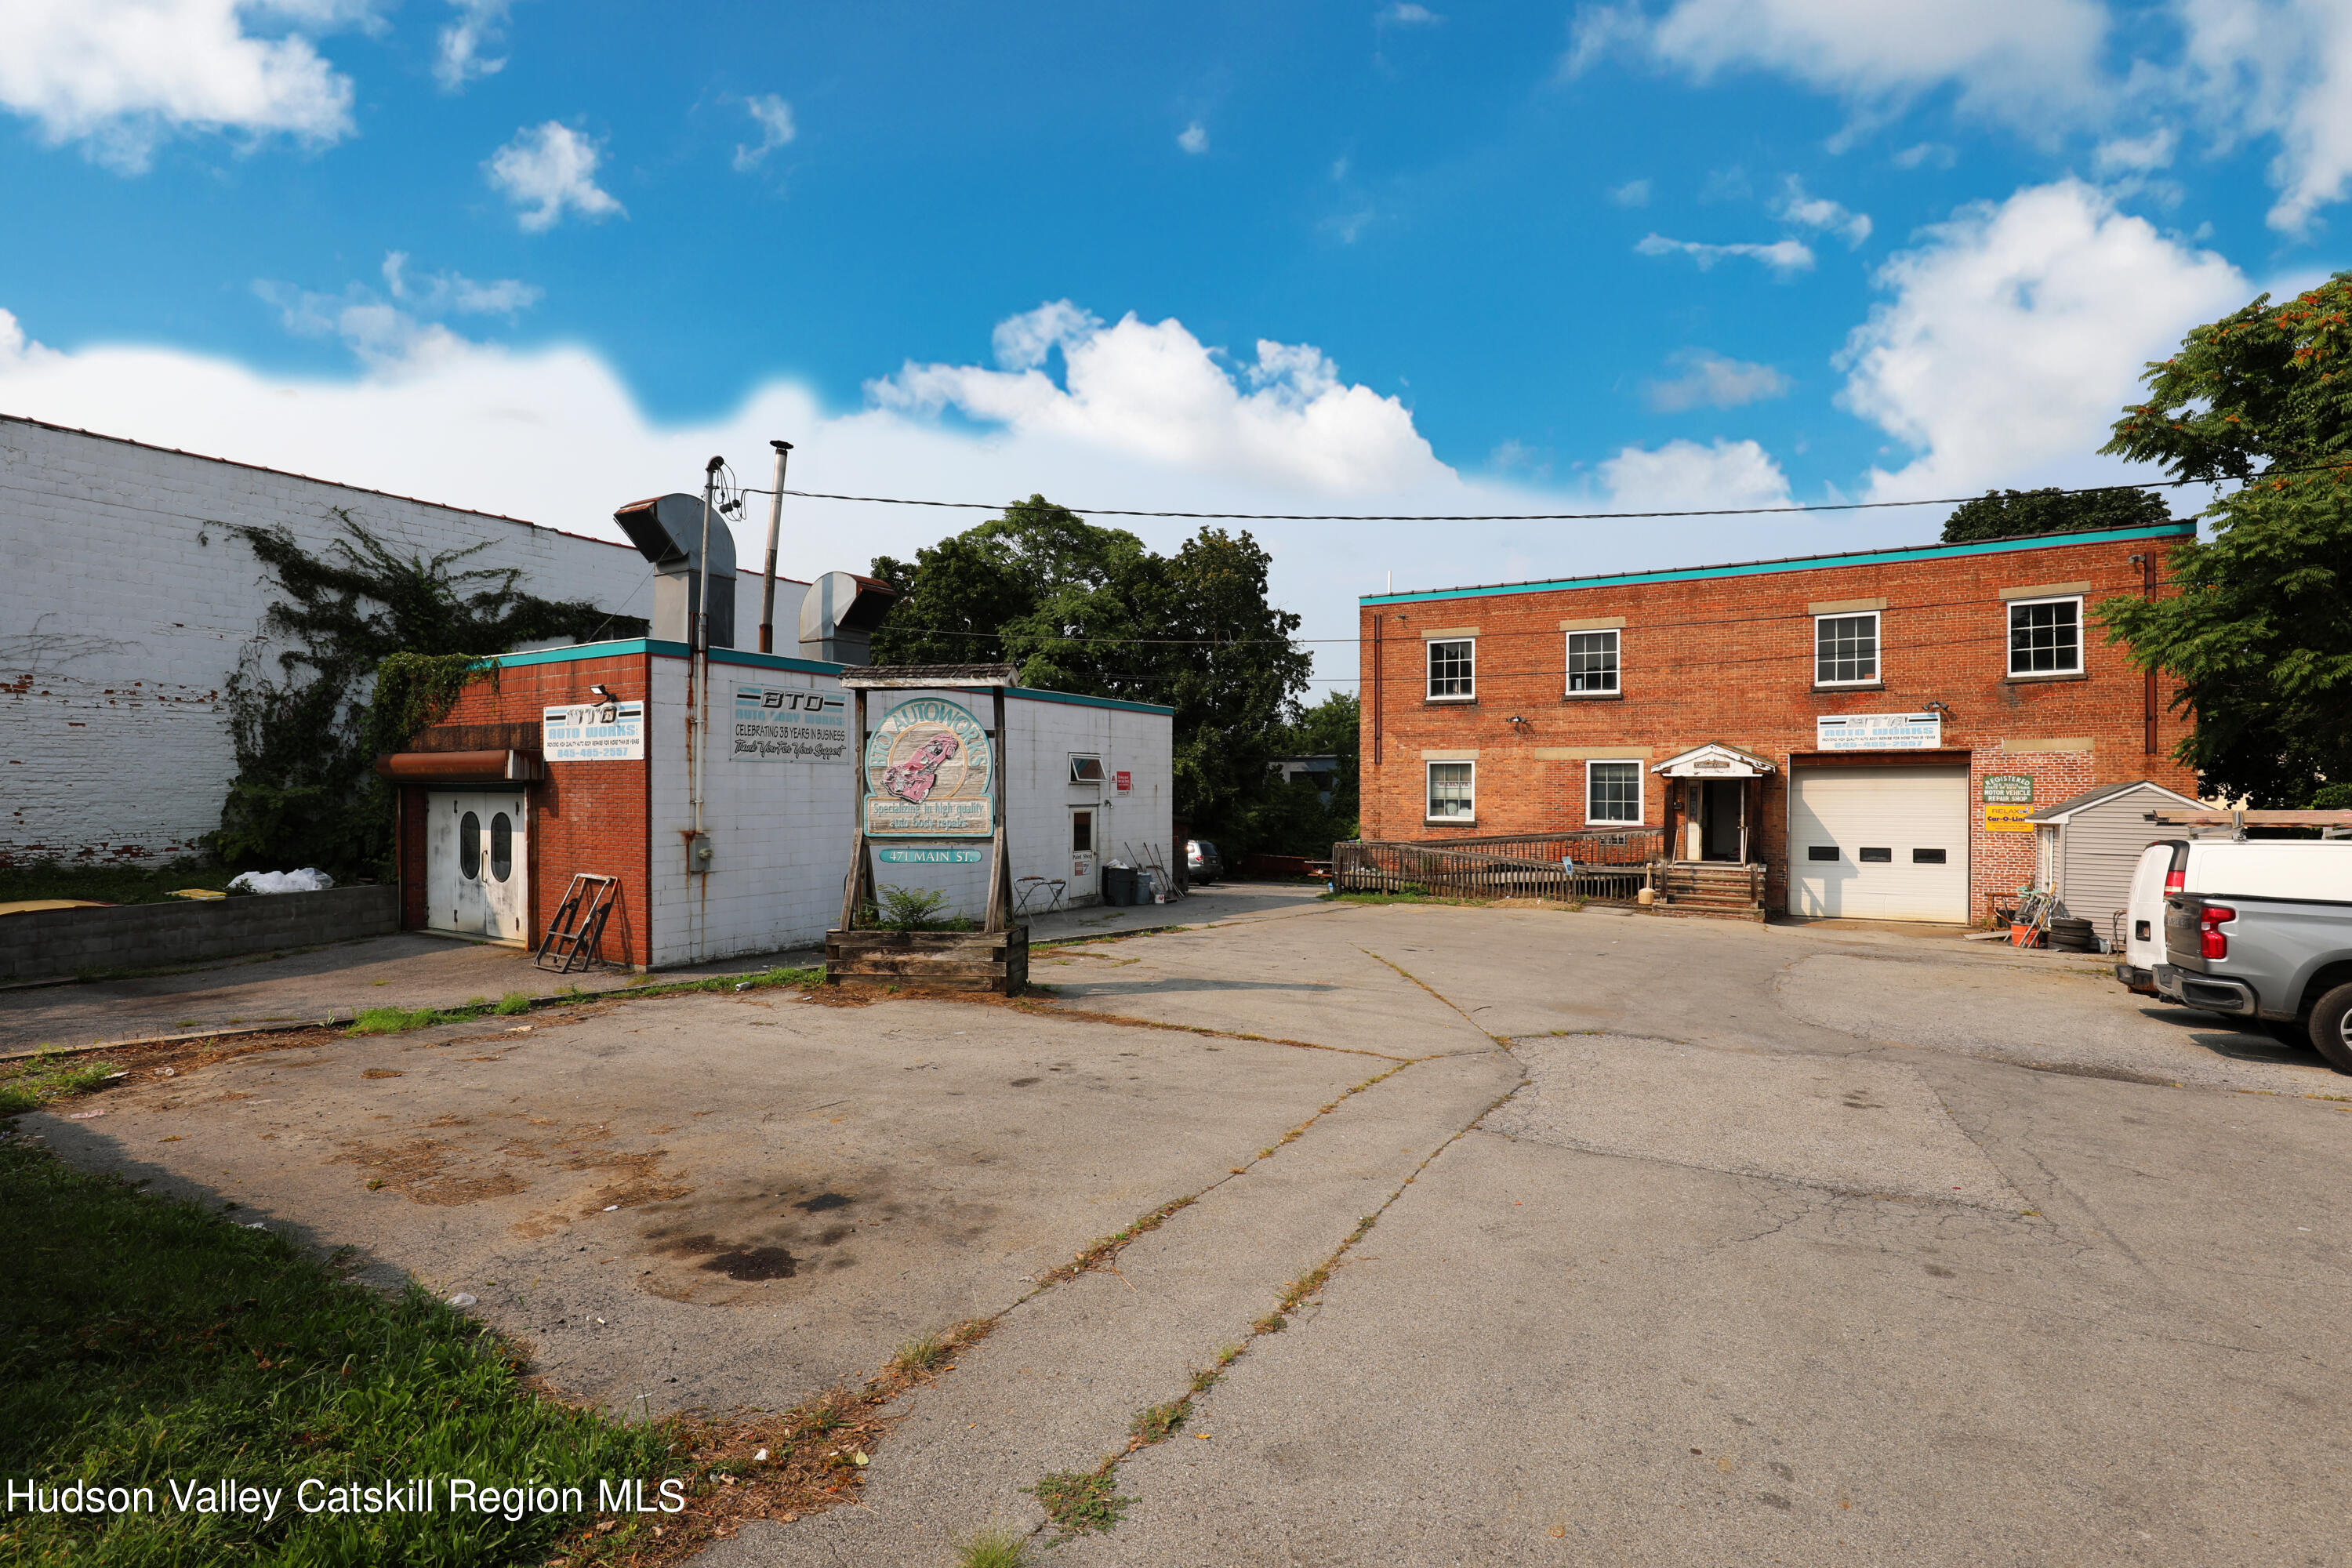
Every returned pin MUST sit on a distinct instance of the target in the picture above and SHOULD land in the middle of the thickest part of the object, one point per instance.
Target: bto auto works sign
(791, 724)
(1878, 733)
(928, 769)
(593, 732)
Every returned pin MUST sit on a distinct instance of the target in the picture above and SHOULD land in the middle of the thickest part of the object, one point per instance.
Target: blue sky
(539, 257)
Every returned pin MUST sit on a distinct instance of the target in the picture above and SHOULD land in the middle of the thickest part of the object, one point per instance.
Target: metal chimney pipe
(775, 525)
(699, 672)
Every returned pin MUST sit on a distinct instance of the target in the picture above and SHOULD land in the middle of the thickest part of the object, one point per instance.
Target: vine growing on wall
(371, 645)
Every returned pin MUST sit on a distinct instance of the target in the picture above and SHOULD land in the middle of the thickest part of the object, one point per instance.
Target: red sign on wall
(1123, 781)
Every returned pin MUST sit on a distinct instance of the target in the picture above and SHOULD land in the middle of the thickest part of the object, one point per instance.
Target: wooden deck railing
(1587, 867)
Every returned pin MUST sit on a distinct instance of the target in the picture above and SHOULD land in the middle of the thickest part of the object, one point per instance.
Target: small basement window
(1085, 769)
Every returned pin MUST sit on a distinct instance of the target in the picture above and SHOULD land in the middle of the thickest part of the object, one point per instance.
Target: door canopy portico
(1713, 761)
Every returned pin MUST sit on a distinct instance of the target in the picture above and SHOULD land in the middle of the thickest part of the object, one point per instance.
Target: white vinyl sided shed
(2085, 849)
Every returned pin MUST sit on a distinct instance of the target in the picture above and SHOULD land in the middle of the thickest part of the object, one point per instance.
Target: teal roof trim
(623, 646)
(1038, 694)
(1797, 563)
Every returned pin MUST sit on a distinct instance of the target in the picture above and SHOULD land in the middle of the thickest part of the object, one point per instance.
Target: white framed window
(1453, 669)
(2045, 637)
(1592, 661)
(1845, 649)
(1453, 792)
(1613, 792)
(1086, 768)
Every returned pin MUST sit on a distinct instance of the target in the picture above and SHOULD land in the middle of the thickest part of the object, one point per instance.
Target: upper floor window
(2045, 637)
(1452, 668)
(1592, 661)
(1845, 649)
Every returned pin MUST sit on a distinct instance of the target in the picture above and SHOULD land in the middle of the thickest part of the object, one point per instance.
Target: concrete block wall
(47, 942)
(1728, 656)
(128, 605)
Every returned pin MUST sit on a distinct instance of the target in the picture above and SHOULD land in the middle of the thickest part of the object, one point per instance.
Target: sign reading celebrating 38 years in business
(593, 732)
(791, 724)
(928, 769)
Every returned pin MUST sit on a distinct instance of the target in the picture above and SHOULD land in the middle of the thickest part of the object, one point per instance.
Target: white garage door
(1886, 844)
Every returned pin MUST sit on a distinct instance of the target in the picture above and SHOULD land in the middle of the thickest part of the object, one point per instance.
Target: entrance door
(1887, 844)
(477, 864)
(1720, 813)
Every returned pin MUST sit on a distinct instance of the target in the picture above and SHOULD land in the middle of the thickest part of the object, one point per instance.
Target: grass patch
(398, 1020)
(995, 1548)
(109, 884)
(144, 1341)
(513, 1003)
(1402, 897)
(30, 1084)
(1158, 1423)
(1081, 1503)
(920, 1355)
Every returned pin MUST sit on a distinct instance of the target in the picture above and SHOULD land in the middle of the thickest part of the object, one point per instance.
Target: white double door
(478, 863)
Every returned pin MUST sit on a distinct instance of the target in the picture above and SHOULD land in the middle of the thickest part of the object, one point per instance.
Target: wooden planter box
(995, 960)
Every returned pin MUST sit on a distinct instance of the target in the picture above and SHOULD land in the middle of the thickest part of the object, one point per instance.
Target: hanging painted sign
(593, 732)
(929, 765)
(928, 855)
(1878, 733)
(791, 724)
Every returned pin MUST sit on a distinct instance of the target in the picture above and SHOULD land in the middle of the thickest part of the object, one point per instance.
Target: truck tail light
(2212, 941)
(2176, 881)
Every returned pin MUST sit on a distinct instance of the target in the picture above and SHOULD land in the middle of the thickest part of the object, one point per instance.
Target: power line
(1508, 516)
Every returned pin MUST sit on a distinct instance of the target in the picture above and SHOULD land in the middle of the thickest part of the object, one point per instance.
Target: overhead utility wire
(1519, 516)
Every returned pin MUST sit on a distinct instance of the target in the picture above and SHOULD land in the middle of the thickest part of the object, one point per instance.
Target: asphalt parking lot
(1689, 1242)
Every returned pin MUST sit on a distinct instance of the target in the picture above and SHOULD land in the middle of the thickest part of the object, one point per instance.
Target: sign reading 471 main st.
(928, 766)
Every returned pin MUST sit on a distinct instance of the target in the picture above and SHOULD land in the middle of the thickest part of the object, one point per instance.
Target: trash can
(1118, 884)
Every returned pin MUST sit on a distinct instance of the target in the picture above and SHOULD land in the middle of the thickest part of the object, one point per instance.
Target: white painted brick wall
(126, 605)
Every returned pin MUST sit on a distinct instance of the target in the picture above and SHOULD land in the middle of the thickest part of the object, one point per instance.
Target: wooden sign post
(922, 800)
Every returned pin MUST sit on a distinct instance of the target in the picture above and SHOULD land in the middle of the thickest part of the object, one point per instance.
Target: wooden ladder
(577, 934)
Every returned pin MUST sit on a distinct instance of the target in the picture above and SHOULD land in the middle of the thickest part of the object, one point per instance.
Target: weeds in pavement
(1081, 1503)
(513, 1003)
(920, 1355)
(1159, 1422)
(32, 1083)
(995, 1548)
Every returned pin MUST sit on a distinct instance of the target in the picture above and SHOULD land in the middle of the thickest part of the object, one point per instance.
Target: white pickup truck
(2260, 930)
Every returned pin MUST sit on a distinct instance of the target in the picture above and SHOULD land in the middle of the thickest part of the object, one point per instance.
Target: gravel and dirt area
(1435, 1236)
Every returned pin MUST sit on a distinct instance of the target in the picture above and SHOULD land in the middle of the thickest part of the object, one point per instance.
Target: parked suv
(2263, 931)
(1203, 864)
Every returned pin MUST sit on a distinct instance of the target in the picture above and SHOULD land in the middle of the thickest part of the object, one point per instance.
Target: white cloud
(774, 118)
(2018, 60)
(1926, 154)
(1193, 138)
(454, 291)
(2281, 68)
(549, 169)
(1156, 391)
(478, 24)
(1405, 14)
(1631, 194)
(1712, 380)
(2134, 154)
(2016, 334)
(397, 337)
(1784, 256)
(1819, 212)
(1683, 476)
(122, 76)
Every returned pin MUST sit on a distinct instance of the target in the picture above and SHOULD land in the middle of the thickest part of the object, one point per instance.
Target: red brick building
(1872, 728)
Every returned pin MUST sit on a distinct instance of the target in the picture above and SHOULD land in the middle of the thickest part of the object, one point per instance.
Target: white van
(2278, 868)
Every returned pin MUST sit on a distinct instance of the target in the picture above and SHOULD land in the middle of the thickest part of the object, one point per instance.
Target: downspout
(775, 526)
(2147, 591)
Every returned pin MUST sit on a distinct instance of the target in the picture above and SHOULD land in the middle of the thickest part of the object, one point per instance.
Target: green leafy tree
(1295, 820)
(1094, 610)
(306, 741)
(2018, 514)
(2259, 639)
